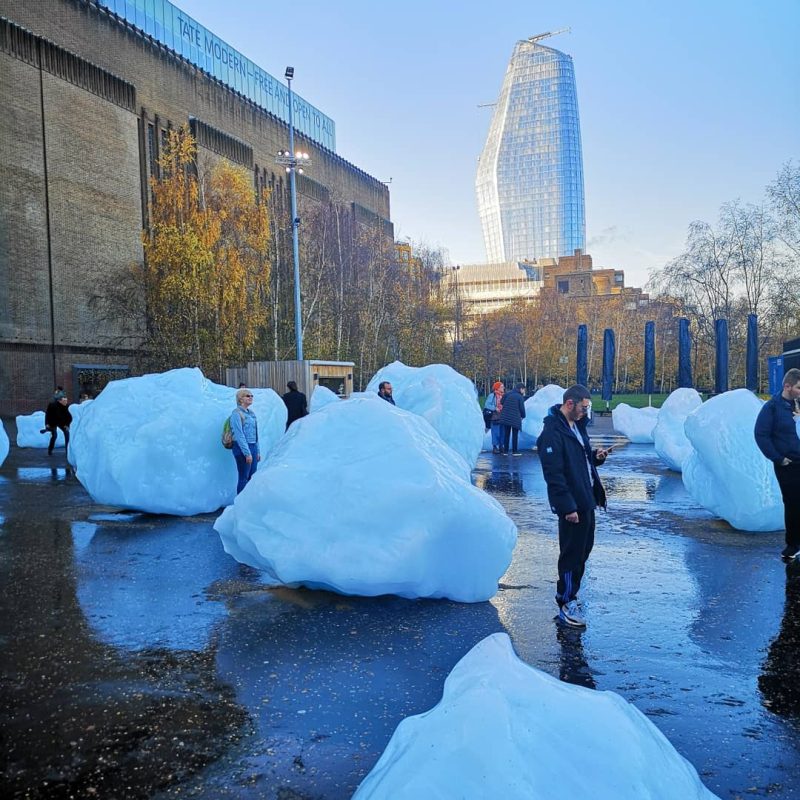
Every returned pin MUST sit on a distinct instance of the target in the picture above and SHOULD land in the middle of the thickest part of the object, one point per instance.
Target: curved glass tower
(530, 173)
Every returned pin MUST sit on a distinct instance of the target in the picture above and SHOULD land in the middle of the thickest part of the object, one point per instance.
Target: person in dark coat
(776, 436)
(511, 416)
(574, 491)
(296, 403)
(57, 416)
(385, 391)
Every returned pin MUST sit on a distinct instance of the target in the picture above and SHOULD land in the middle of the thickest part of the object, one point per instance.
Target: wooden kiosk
(308, 374)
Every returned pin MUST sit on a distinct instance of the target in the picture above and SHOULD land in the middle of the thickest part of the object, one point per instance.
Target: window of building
(563, 287)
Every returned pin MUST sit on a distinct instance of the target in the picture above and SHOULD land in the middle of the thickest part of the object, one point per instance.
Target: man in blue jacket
(574, 490)
(776, 437)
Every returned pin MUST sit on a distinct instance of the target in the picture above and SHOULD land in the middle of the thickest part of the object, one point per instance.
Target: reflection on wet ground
(139, 660)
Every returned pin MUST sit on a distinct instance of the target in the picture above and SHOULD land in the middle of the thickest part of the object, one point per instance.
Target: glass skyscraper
(530, 173)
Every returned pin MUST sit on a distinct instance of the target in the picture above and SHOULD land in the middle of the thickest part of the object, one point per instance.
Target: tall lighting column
(290, 159)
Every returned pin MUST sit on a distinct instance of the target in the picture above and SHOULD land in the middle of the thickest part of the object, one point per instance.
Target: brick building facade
(86, 100)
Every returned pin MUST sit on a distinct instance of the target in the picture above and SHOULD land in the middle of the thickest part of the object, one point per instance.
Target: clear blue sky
(684, 105)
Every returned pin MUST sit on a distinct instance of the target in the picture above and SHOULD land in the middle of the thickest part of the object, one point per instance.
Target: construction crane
(539, 37)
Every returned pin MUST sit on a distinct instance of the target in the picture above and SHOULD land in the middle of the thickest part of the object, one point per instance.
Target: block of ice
(365, 498)
(635, 423)
(536, 408)
(670, 441)
(726, 472)
(152, 443)
(442, 396)
(28, 435)
(320, 397)
(506, 730)
(77, 410)
(3, 443)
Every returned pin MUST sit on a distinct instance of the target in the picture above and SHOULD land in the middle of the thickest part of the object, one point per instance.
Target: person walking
(244, 428)
(510, 418)
(57, 416)
(494, 405)
(777, 437)
(296, 404)
(574, 491)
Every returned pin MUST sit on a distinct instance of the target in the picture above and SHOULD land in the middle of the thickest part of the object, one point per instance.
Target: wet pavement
(139, 660)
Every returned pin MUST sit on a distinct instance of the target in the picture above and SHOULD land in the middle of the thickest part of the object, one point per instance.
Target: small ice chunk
(28, 431)
(726, 472)
(506, 730)
(536, 408)
(365, 498)
(636, 424)
(669, 438)
(320, 397)
(442, 396)
(152, 443)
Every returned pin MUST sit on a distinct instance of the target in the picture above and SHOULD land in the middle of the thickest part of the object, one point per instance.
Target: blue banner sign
(172, 27)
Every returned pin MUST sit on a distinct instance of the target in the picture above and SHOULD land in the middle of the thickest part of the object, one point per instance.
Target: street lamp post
(457, 332)
(290, 159)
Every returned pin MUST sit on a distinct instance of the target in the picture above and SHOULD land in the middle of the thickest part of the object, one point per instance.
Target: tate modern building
(530, 174)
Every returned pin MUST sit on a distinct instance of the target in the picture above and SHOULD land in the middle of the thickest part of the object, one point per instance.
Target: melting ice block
(536, 408)
(505, 730)
(670, 440)
(3, 443)
(365, 498)
(28, 431)
(152, 443)
(77, 410)
(726, 472)
(635, 423)
(442, 396)
(320, 397)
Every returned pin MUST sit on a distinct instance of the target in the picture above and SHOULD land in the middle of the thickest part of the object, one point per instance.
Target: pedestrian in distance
(296, 403)
(244, 429)
(494, 405)
(510, 418)
(777, 438)
(385, 391)
(574, 491)
(57, 416)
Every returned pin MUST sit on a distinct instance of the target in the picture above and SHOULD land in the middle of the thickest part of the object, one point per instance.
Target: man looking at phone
(574, 490)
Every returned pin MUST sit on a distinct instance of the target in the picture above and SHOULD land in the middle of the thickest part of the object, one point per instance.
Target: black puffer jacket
(57, 416)
(564, 466)
(776, 430)
(513, 410)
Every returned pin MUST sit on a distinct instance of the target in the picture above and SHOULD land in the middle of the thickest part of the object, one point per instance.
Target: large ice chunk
(635, 423)
(320, 397)
(726, 472)
(365, 498)
(670, 441)
(505, 730)
(536, 408)
(442, 396)
(77, 410)
(28, 431)
(152, 443)
(3, 443)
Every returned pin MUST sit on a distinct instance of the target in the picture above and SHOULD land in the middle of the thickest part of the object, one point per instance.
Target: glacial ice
(320, 398)
(77, 410)
(28, 427)
(365, 498)
(669, 438)
(152, 443)
(726, 472)
(635, 423)
(536, 408)
(4, 444)
(506, 730)
(442, 396)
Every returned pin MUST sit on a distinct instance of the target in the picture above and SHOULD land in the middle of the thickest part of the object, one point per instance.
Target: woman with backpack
(494, 405)
(244, 429)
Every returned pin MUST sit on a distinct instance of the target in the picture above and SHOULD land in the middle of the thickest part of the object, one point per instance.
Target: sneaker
(790, 551)
(571, 615)
(516, 453)
(495, 449)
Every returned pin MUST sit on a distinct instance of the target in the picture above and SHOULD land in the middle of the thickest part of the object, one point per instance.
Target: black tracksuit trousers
(575, 541)
(789, 481)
